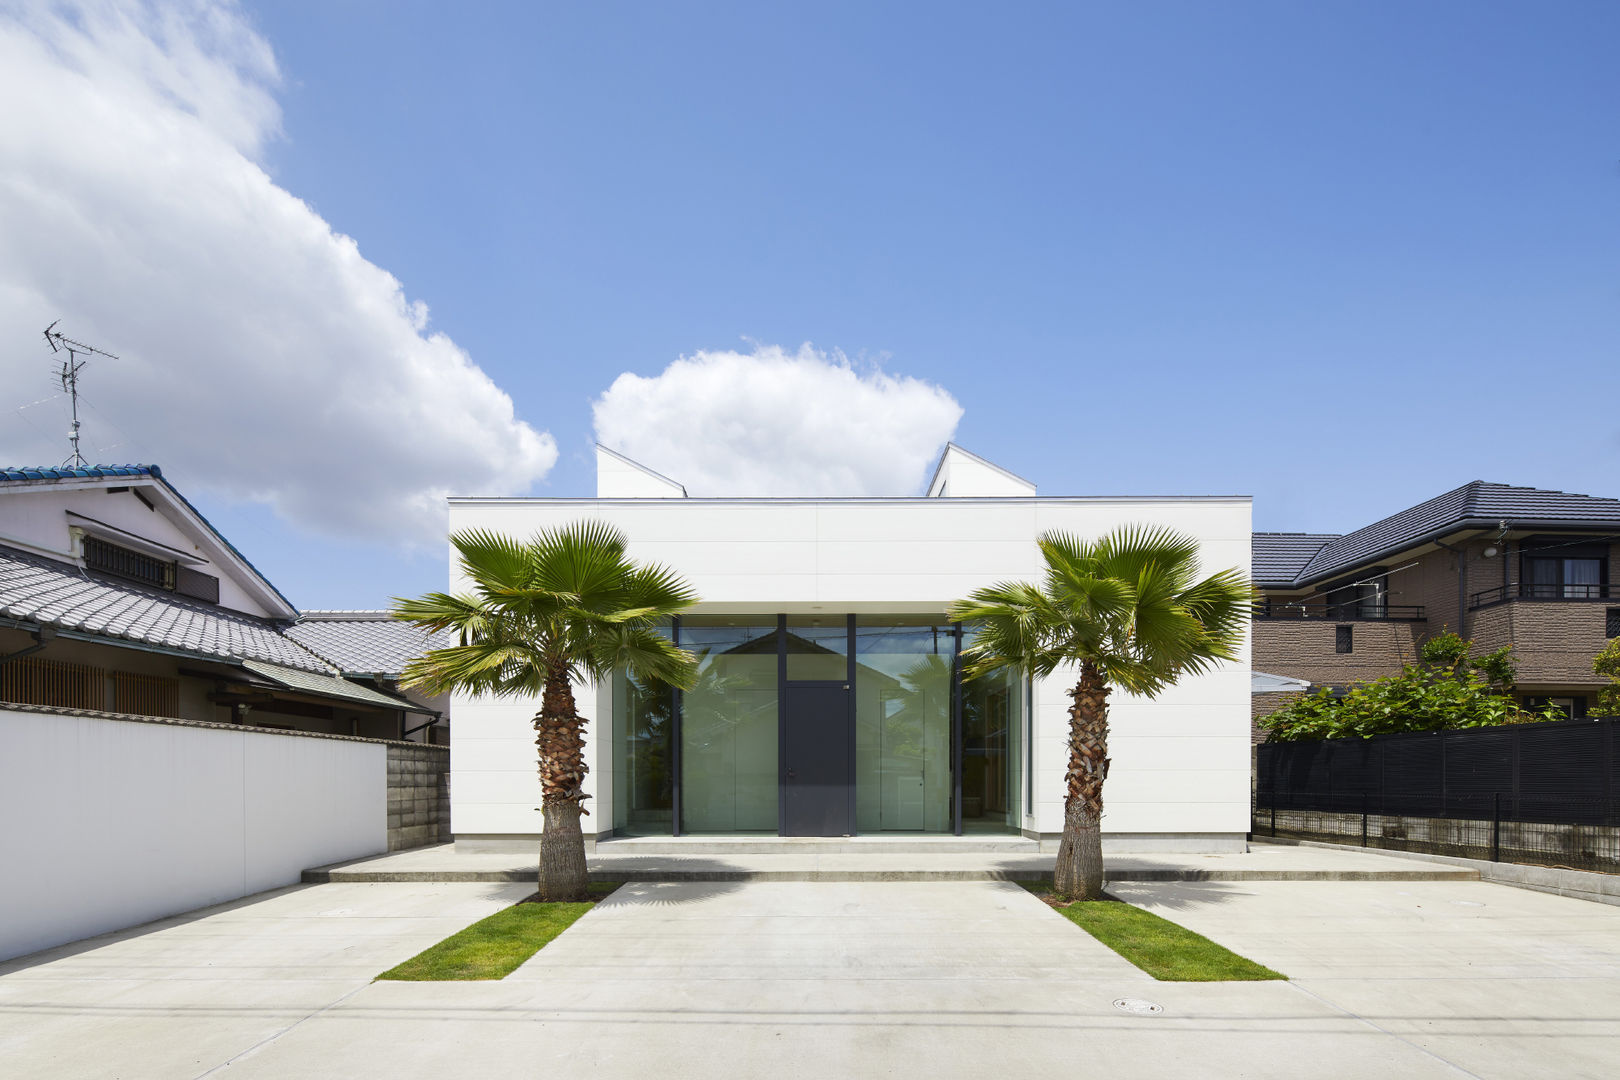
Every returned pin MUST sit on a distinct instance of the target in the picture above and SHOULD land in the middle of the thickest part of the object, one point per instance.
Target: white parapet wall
(113, 822)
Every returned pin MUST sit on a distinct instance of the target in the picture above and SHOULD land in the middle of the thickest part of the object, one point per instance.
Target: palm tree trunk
(1079, 873)
(562, 776)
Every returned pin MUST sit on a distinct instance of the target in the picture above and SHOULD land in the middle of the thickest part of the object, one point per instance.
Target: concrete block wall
(418, 796)
(1595, 846)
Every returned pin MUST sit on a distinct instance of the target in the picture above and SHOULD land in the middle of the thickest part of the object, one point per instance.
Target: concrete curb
(1579, 884)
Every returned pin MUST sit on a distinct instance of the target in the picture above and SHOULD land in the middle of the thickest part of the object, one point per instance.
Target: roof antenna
(69, 373)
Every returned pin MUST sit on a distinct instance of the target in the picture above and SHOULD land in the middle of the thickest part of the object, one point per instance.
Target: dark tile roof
(1279, 557)
(365, 642)
(1474, 505)
(44, 591)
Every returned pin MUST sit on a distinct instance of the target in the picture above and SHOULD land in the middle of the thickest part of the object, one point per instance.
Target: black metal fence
(1536, 793)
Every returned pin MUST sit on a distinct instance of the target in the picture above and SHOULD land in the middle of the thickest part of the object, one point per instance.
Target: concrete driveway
(1409, 979)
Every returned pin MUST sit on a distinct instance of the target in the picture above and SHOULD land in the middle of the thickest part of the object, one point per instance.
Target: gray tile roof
(1279, 557)
(365, 642)
(45, 591)
(328, 686)
(1474, 505)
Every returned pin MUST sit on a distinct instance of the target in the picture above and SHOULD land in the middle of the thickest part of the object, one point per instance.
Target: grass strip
(1163, 949)
(494, 947)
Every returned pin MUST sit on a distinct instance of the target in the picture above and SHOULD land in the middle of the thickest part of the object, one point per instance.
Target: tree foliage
(1448, 688)
(1607, 663)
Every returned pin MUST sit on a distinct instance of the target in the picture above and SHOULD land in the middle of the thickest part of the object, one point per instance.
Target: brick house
(1497, 564)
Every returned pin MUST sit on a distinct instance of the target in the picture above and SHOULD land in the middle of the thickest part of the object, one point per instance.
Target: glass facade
(729, 727)
(930, 755)
(903, 683)
(643, 757)
(992, 731)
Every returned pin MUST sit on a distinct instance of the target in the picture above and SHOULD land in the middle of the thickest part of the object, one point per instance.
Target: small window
(1573, 707)
(124, 563)
(1612, 623)
(1341, 639)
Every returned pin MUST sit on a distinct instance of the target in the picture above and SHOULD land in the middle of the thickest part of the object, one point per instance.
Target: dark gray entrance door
(818, 767)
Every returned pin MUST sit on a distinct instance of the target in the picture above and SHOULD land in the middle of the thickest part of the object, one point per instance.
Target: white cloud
(774, 422)
(261, 355)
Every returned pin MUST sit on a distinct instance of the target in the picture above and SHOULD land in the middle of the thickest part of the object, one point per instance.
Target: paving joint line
(268, 1039)
(1385, 1031)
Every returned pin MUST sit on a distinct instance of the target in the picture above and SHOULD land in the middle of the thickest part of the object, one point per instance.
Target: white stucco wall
(112, 823)
(1180, 762)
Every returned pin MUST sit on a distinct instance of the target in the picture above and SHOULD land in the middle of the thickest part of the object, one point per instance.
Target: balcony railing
(1526, 590)
(1346, 612)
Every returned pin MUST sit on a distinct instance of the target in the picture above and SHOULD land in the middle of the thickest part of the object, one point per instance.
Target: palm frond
(1128, 602)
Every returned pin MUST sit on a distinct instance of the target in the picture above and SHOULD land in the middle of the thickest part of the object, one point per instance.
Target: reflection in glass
(728, 726)
(903, 725)
(643, 763)
(992, 722)
(818, 648)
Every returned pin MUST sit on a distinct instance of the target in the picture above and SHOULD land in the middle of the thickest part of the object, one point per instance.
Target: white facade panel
(1180, 760)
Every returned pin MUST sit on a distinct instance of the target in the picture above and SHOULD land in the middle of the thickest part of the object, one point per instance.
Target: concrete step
(651, 869)
(817, 845)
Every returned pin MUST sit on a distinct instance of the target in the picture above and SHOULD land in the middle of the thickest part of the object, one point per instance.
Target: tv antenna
(69, 373)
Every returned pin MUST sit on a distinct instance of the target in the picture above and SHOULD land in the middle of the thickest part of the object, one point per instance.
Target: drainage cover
(1138, 1006)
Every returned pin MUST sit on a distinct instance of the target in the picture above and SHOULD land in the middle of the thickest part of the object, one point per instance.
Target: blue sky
(1340, 257)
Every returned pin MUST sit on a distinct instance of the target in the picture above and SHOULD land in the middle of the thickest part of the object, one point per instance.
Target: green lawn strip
(493, 948)
(1166, 951)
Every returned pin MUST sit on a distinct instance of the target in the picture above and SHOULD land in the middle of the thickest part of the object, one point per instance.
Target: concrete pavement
(1420, 979)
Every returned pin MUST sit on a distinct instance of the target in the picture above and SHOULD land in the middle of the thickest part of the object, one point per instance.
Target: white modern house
(828, 701)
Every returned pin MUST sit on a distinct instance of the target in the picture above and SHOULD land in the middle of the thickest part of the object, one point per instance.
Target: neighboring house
(117, 595)
(828, 701)
(373, 647)
(1268, 693)
(1497, 564)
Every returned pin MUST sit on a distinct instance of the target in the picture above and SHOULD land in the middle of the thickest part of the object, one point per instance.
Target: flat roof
(900, 500)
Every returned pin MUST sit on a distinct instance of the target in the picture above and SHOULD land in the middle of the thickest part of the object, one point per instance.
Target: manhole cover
(1468, 903)
(1138, 1006)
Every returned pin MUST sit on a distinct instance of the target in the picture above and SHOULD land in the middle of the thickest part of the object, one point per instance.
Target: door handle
(790, 774)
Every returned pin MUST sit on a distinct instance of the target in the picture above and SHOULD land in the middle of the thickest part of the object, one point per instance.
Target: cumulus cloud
(773, 422)
(261, 355)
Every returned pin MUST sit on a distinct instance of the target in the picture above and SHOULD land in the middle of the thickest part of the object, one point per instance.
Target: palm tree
(565, 604)
(1128, 610)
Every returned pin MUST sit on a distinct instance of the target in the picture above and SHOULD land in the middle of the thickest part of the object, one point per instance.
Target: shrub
(1607, 663)
(1448, 688)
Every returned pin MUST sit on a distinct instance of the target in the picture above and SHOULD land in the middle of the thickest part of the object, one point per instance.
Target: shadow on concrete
(654, 894)
(1178, 895)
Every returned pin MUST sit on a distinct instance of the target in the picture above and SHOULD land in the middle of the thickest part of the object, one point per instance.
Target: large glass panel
(728, 726)
(992, 725)
(818, 648)
(903, 674)
(643, 760)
